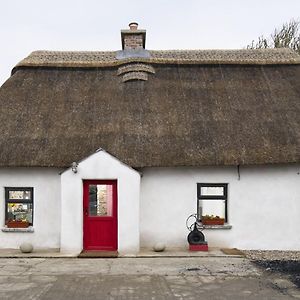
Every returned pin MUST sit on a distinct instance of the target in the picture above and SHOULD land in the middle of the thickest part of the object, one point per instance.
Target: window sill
(225, 226)
(29, 229)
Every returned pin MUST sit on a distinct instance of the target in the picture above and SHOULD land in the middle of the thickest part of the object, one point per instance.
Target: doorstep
(98, 254)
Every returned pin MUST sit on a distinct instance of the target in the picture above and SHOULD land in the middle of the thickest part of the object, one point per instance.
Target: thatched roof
(189, 108)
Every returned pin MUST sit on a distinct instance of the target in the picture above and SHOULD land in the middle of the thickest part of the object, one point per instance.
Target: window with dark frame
(18, 206)
(212, 200)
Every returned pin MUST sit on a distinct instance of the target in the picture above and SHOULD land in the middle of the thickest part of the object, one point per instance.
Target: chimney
(133, 38)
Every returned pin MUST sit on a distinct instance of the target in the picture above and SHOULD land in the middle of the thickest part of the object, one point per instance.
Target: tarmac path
(140, 278)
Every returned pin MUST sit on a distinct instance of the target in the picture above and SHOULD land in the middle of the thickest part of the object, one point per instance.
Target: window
(18, 207)
(100, 200)
(212, 200)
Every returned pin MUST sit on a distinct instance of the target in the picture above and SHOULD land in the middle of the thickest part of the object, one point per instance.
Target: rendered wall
(46, 218)
(100, 165)
(263, 206)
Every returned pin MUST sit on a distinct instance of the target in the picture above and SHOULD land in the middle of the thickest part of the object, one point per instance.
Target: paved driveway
(140, 278)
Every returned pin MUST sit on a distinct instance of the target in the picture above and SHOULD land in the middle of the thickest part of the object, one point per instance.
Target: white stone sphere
(159, 247)
(26, 247)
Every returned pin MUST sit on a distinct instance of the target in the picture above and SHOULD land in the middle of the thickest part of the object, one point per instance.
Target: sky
(30, 25)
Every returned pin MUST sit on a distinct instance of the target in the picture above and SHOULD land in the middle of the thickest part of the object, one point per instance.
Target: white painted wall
(46, 220)
(263, 206)
(100, 165)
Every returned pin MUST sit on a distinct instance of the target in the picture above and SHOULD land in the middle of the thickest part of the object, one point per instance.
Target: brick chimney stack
(133, 38)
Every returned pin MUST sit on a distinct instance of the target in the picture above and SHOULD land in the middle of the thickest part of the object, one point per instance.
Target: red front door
(100, 227)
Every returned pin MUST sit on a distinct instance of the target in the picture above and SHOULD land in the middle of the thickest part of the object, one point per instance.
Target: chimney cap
(133, 25)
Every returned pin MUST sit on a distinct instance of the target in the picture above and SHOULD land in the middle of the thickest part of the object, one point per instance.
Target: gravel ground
(284, 262)
(272, 255)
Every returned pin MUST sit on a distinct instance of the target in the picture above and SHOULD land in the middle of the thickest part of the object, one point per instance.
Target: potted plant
(17, 224)
(212, 220)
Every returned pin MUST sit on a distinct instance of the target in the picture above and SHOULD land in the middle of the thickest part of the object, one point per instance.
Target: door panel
(100, 215)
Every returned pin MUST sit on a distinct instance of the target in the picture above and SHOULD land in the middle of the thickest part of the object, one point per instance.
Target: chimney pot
(133, 26)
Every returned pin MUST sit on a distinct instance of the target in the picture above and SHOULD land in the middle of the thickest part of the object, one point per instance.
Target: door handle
(85, 210)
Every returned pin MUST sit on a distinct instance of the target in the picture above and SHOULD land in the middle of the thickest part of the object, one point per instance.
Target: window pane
(213, 207)
(19, 212)
(19, 195)
(100, 200)
(212, 191)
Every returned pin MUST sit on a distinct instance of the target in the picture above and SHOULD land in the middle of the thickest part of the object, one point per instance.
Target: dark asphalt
(287, 267)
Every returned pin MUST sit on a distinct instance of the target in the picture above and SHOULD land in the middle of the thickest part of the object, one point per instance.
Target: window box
(17, 224)
(213, 221)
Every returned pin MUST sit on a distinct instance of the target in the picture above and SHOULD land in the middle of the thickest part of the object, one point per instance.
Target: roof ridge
(49, 58)
(282, 49)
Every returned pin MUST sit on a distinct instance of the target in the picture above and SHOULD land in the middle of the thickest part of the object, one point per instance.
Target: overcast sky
(28, 25)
